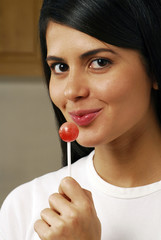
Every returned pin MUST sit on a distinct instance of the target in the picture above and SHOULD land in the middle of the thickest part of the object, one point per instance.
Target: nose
(76, 87)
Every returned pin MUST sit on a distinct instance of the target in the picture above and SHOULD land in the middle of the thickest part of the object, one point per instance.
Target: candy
(68, 132)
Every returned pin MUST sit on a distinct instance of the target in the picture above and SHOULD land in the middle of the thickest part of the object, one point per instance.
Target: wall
(29, 142)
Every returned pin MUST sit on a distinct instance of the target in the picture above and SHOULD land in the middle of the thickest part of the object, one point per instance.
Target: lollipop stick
(69, 157)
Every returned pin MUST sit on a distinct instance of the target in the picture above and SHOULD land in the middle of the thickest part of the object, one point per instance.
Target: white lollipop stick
(69, 158)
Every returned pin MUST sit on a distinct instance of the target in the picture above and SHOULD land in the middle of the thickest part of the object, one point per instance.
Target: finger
(42, 229)
(49, 216)
(60, 204)
(73, 190)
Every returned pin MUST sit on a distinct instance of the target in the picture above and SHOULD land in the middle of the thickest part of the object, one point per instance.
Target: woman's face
(104, 89)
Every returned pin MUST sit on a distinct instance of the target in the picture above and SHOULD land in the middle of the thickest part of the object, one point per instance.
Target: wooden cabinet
(19, 38)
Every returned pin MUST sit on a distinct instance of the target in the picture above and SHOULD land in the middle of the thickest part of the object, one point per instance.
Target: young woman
(102, 65)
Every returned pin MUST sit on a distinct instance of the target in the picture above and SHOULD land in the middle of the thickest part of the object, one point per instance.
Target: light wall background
(29, 141)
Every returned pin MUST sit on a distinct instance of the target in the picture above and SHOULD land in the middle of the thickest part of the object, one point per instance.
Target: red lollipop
(68, 132)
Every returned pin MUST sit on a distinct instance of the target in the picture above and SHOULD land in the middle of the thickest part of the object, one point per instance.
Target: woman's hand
(71, 215)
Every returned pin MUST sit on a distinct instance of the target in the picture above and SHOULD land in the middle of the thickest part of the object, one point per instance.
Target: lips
(84, 117)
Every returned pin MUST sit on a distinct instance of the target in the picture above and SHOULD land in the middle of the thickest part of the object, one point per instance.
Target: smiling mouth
(84, 117)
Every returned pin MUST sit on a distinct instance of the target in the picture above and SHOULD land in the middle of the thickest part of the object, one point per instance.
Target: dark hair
(134, 24)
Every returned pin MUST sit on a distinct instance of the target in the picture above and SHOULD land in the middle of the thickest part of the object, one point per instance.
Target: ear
(155, 85)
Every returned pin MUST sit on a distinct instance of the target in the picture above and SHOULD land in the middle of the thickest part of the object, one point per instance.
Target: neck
(132, 160)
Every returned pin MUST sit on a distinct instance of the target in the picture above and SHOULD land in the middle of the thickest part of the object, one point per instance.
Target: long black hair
(134, 24)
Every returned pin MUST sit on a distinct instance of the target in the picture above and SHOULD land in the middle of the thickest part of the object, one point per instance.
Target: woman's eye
(59, 68)
(100, 63)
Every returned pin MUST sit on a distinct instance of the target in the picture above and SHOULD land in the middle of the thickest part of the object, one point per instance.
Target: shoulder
(42, 187)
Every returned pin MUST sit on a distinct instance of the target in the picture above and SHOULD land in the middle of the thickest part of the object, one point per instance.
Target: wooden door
(19, 38)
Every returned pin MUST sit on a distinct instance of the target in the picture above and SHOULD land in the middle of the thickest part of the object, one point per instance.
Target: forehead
(60, 36)
(58, 30)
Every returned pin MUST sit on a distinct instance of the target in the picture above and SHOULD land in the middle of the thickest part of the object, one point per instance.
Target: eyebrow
(82, 56)
(95, 51)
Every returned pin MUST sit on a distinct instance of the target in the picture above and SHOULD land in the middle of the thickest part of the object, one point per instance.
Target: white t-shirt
(125, 213)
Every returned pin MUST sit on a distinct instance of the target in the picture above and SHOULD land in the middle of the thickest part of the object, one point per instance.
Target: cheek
(127, 96)
(112, 91)
(129, 86)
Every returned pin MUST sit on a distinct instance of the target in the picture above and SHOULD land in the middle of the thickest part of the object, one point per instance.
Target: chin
(87, 143)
